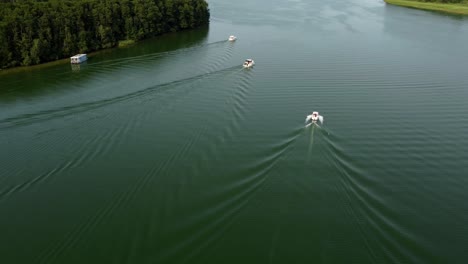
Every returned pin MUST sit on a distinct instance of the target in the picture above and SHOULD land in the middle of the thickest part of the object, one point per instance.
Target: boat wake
(30, 118)
(154, 55)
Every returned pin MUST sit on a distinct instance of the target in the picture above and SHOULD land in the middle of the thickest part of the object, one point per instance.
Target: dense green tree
(36, 31)
(5, 54)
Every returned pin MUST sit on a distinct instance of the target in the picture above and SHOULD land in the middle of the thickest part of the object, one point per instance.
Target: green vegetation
(125, 43)
(448, 6)
(37, 31)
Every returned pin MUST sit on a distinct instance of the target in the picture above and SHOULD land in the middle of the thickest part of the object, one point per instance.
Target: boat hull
(249, 65)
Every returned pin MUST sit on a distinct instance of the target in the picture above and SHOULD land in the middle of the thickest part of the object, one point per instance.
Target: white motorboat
(314, 117)
(232, 38)
(248, 63)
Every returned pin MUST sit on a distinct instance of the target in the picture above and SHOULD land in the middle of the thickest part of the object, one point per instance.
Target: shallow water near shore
(168, 151)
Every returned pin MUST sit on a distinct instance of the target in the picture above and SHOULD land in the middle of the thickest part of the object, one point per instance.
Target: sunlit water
(169, 152)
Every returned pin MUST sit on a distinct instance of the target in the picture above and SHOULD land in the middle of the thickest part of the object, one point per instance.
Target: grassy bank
(126, 43)
(460, 8)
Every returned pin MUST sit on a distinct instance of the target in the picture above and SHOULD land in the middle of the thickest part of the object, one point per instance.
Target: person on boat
(314, 117)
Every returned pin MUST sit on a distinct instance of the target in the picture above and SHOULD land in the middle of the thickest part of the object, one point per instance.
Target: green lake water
(168, 151)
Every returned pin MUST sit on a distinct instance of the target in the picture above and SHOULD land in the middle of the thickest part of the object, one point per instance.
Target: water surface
(169, 152)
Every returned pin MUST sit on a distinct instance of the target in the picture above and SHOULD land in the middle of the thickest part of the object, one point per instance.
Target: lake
(168, 151)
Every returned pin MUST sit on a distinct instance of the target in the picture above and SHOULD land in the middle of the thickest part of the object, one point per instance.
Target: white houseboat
(78, 58)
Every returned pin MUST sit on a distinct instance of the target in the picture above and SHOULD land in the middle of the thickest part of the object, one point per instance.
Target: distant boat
(79, 58)
(314, 117)
(232, 38)
(248, 63)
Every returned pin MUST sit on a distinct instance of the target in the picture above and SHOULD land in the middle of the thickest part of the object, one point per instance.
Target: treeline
(34, 31)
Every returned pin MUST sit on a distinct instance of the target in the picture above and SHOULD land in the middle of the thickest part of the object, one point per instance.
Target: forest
(35, 31)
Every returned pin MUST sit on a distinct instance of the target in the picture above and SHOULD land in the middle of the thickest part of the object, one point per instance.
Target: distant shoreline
(34, 32)
(90, 54)
(459, 8)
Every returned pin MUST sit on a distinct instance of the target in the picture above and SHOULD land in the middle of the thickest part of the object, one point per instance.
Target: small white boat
(232, 38)
(314, 117)
(248, 63)
(79, 58)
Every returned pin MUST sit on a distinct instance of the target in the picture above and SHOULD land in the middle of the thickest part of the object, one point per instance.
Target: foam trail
(311, 144)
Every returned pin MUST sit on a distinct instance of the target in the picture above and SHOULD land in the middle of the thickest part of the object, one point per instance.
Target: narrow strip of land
(458, 8)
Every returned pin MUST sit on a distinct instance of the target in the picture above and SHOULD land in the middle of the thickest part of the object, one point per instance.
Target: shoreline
(90, 54)
(49, 63)
(457, 9)
(34, 32)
